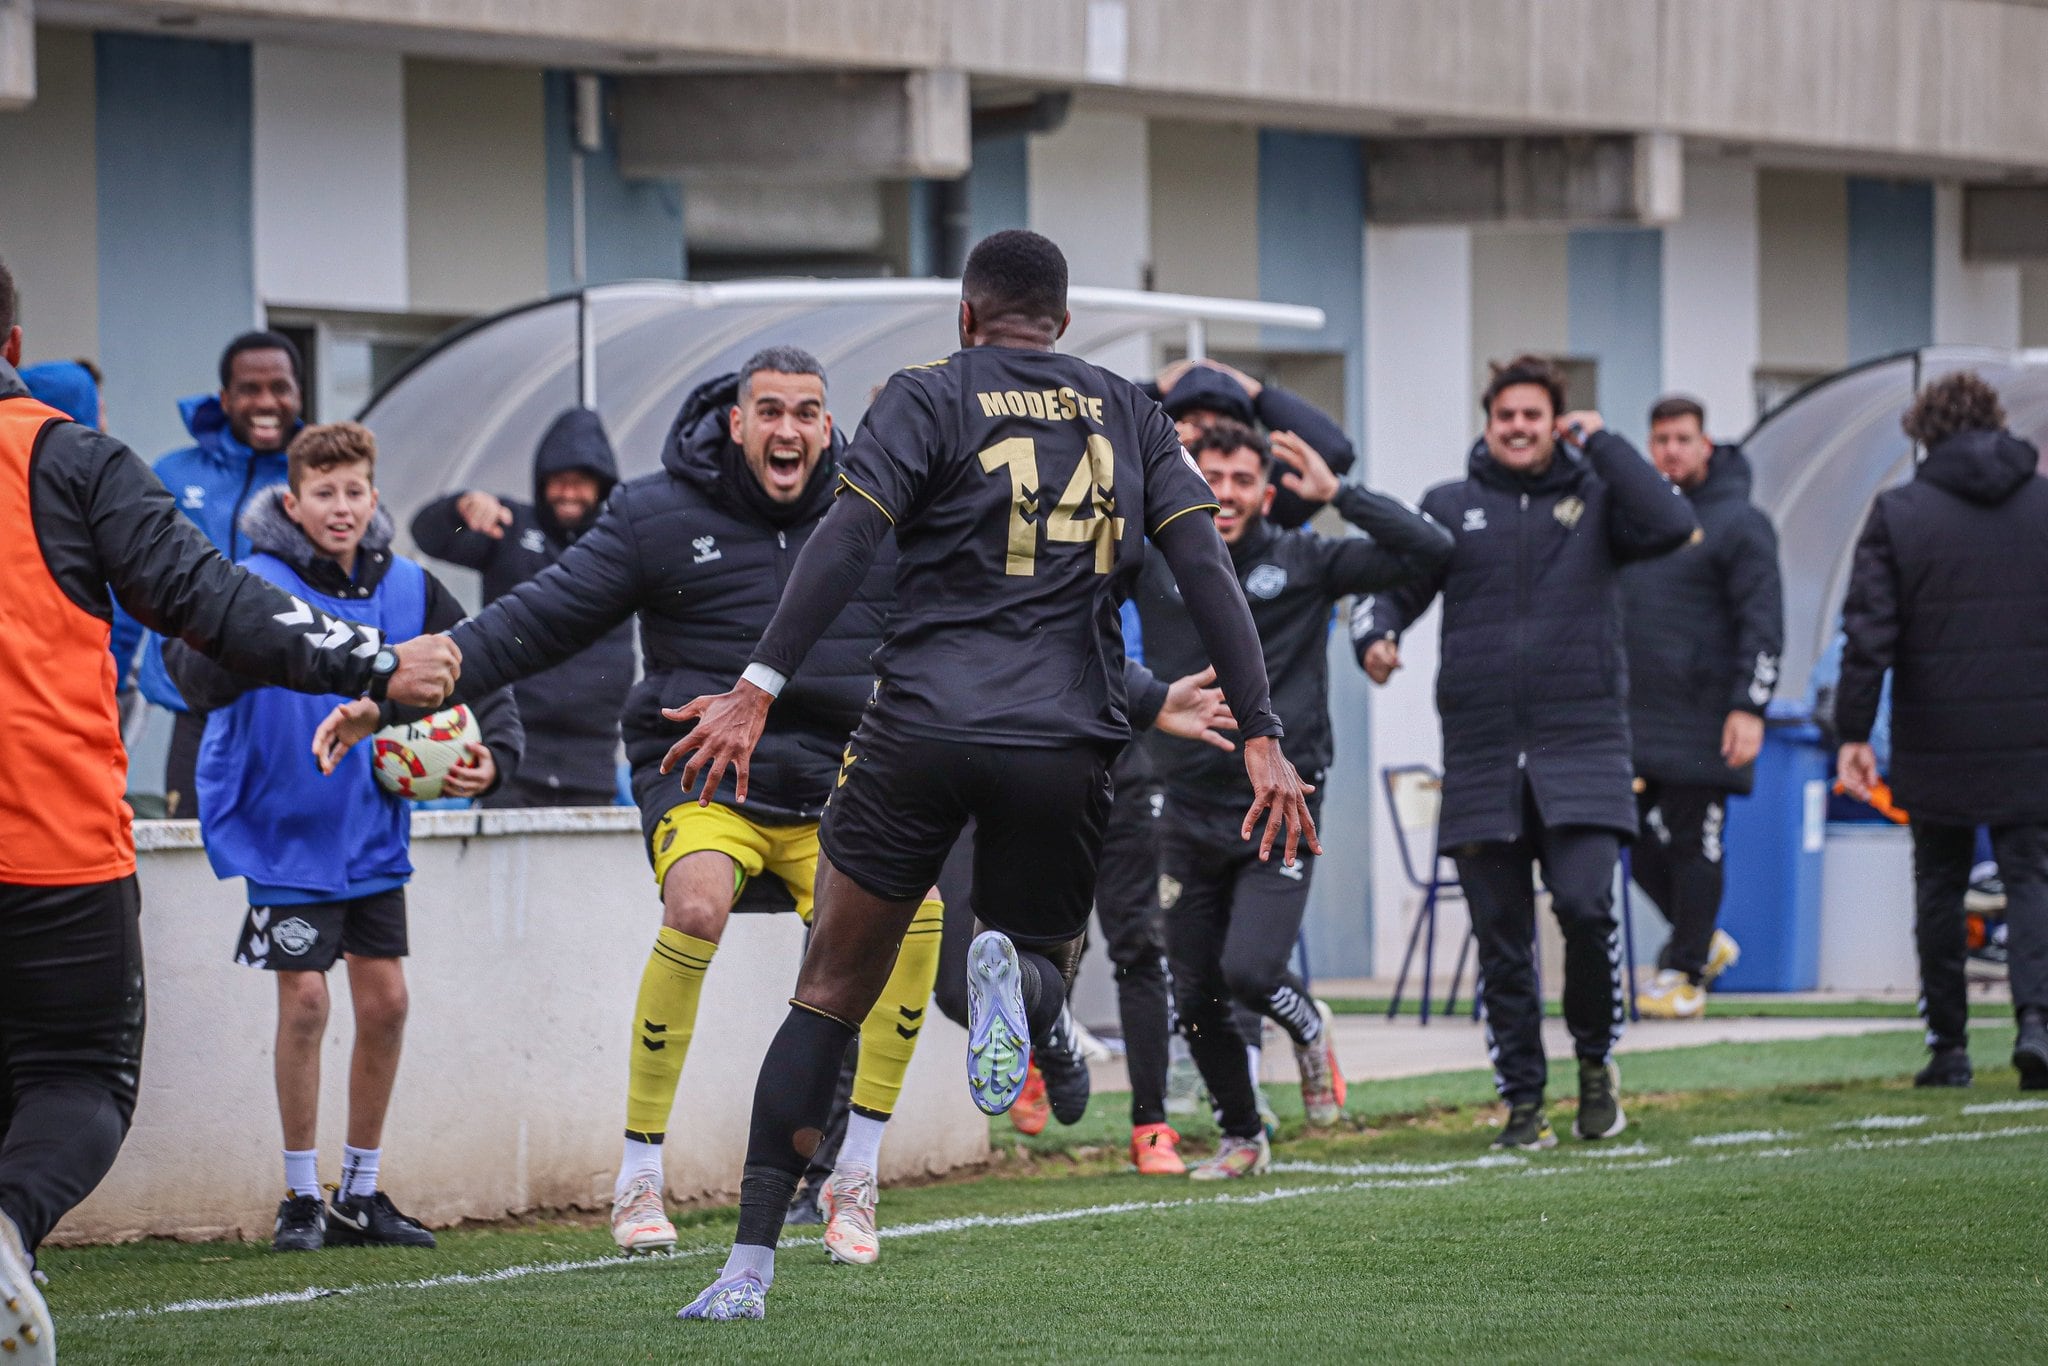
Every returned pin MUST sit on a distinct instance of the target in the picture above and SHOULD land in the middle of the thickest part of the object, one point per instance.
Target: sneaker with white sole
(1234, 1159)
(729, 1298)
(849, 1209)
(1723, 953)
(639, 1222)
(1672, 996)
(27, 1337)
(1600, 1114)
(1322, 1080)
(998, 1032)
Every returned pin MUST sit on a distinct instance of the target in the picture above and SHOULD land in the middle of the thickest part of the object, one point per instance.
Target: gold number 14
(1086, 511)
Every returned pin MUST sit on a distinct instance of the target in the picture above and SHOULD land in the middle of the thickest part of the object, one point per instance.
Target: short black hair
(10, 302)
(1525, 369)
(1016, 273)
(781, 360)
(1675, 406)
(260, 341)
(1226, 435)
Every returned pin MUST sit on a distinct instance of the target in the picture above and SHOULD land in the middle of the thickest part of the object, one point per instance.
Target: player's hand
(482, 513)
(1196, 711)
(1858, 765)
(1382, 657)
(728, 727)
(427, 669)
(1278, 794)
(1742, 735)
(1245, 382)
(345, 727)
(1171, 375)
(472, 777)
(1576, 427)
(1317, 482)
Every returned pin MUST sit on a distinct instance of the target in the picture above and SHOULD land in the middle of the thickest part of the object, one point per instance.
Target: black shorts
(309, 936)
(1039, 817)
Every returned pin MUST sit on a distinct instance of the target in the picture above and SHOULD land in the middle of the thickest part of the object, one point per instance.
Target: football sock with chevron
(888, 1037)
(664, 1017)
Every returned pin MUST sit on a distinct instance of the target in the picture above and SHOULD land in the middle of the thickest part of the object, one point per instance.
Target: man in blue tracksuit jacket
(239, 437)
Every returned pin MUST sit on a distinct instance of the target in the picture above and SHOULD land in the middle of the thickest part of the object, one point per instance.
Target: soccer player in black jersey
(1020, 485)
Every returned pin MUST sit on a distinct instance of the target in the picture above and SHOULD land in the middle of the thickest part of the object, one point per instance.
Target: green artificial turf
(1848, 1217)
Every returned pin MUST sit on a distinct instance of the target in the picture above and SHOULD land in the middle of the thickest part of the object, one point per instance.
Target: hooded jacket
(81, 513)
(1705, 626)
(1533, 684)
(269, 815)
(1949, 589)
(213, 480)
(1206, 388)
(571, 711)
(700, 553)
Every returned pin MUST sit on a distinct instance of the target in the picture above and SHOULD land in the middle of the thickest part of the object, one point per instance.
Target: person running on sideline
(1018, 483)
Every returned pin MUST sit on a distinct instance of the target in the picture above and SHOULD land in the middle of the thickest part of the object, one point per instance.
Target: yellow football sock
(664, 1017)
(889, 1035)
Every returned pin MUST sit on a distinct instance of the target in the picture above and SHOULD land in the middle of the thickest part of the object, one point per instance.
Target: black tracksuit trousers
(1127, 909)
(71, 1018)
(1942, 855)
(1578, 867)
(1678, 862)
(1231, 926)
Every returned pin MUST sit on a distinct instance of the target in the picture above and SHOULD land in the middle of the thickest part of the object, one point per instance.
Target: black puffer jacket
(1949, 590)
(701, 554)
(572, 710)
(1533, 679)
(1705, 628)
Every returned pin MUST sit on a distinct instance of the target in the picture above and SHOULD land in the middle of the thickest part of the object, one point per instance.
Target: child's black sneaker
(301, 1225)
(372, 1220)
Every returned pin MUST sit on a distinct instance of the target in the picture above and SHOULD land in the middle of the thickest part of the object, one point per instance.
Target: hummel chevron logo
(338, 634)
(373, 641)
(912, 1015)
(300, 615)
(908, 1031)
(647, 1039)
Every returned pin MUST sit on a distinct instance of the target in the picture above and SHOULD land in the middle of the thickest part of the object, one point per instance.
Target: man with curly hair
(1949, 591)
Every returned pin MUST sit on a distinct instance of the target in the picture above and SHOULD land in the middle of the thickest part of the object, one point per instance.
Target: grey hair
(782, 360)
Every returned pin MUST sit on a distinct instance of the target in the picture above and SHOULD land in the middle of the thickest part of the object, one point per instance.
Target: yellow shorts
(788, 851)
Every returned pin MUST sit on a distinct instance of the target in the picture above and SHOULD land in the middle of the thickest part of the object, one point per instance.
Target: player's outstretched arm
(1208, 585)
(830, 570)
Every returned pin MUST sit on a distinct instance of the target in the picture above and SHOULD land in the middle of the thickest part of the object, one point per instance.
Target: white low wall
(529, 932)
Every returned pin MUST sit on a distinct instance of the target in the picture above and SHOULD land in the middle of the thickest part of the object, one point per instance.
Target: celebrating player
(1019, 483)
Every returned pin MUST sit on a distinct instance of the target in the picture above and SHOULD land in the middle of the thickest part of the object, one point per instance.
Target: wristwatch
(381, 670)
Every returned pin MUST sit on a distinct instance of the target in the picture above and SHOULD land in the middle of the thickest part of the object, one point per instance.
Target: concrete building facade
(1728, 198)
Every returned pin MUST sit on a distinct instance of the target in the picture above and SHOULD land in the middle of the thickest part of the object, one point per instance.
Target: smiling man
(238, 445)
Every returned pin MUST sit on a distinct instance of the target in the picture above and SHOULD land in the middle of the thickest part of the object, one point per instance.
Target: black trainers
(2030, 1051)
(1600, 1113)
(1948, 1067)
(1064, 1069)
(1526, 1128)
(358, 1220)
(803, 1206)
(301, 1225)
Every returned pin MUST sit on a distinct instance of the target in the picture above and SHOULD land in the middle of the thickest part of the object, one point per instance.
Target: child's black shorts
(309, 936)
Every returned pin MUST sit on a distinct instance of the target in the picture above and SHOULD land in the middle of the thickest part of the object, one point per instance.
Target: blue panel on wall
(1891, 266)
(998, 187)
(176, 224)
(634, 228)
(1312, 247)
(1615, 316)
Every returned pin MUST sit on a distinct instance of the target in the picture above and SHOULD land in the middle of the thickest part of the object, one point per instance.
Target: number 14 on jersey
(1085, 513)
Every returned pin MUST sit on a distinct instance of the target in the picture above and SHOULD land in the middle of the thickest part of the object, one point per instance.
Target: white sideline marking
(2005, 1107)
(1626, 1150)
(1739, 1136)
(1419, 1175)
(1884, 1122)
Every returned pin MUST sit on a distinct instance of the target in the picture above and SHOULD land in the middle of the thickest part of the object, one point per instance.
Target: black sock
(792, 1103)
(1045, 992)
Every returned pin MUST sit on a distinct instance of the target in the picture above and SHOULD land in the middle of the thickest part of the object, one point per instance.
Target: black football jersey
(1022, 485)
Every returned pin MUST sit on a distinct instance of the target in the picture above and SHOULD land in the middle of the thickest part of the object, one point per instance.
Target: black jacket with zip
(1533, 680)
(700, 553)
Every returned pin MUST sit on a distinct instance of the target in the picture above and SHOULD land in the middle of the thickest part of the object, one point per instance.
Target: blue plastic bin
(1773, 859)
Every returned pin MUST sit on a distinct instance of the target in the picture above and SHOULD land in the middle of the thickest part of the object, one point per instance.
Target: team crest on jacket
(707, 550)
(532, 541)
(1266, 581)
(1475, 519)
(1568, 511)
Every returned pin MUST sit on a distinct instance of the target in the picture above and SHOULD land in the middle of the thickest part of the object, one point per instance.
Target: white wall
(1419, 423)
(527, 950)
(1973, 304)
(1088, 193)
(329, 181)
(1711, 280)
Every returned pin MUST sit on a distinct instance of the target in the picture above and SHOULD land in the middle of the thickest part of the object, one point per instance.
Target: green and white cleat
(27, 1337)
(729, 1298)
(998, 1033)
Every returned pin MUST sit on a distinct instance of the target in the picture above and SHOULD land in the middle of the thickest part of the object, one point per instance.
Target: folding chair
(1414, 803)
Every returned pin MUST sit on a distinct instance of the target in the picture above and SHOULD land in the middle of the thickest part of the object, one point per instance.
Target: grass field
(1806, 1204)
